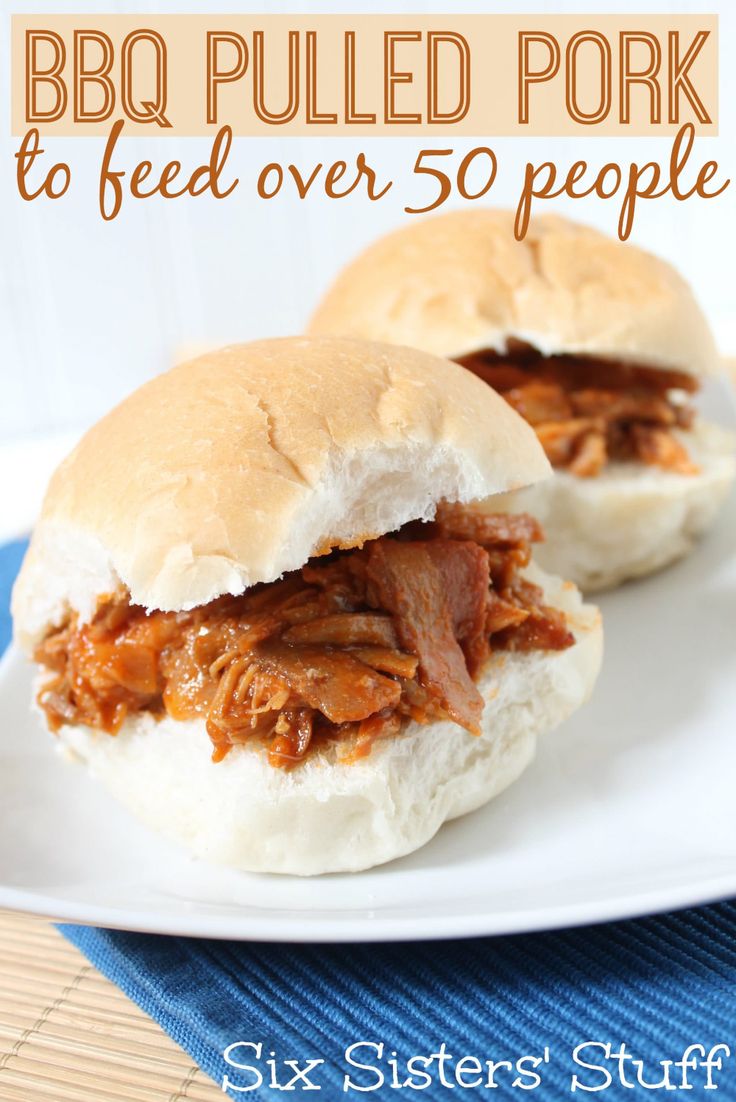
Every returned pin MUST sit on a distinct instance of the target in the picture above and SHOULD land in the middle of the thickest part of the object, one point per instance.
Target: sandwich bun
(460, 283)
(631, 519)
(238, 466)
(332, 815)
(241, 465)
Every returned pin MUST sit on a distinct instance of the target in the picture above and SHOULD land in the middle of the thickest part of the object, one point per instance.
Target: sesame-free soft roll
(267, 616)
(599, 345)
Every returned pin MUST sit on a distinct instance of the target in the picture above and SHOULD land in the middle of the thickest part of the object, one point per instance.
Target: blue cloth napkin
(663, 987)
(11, 556)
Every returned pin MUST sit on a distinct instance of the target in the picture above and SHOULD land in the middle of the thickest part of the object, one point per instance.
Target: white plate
(629, 807)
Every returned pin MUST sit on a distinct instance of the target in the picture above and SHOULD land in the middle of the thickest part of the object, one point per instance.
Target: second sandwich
(600, 346)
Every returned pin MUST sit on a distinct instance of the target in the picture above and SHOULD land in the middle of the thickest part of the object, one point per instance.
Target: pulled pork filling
(348, 647)
(587, 412)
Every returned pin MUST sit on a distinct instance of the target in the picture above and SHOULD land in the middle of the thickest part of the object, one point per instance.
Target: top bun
(460, 282)
(240, 465)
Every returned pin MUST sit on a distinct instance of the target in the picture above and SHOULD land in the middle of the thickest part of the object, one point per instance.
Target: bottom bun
(631, 519)
(331, 816)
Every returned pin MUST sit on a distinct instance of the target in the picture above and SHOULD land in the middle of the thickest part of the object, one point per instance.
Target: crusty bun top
(459, 282)
(238, 466)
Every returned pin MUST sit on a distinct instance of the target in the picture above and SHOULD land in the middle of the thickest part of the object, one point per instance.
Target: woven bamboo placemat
(68, 1035)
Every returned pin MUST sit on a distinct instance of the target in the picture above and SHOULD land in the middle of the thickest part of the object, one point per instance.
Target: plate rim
(374, 930)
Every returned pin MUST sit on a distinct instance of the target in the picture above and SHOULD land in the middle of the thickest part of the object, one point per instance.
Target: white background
(90, 309)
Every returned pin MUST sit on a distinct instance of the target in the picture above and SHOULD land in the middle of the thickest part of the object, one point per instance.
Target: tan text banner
(365, 75)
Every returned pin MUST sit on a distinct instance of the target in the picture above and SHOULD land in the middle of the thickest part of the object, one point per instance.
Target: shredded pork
(348, 648)
(589, 412)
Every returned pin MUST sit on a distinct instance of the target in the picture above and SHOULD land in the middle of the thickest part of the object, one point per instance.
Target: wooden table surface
(69, 1035)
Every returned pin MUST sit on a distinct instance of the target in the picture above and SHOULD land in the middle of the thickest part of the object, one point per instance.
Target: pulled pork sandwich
(600, 346)
(267, 620)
